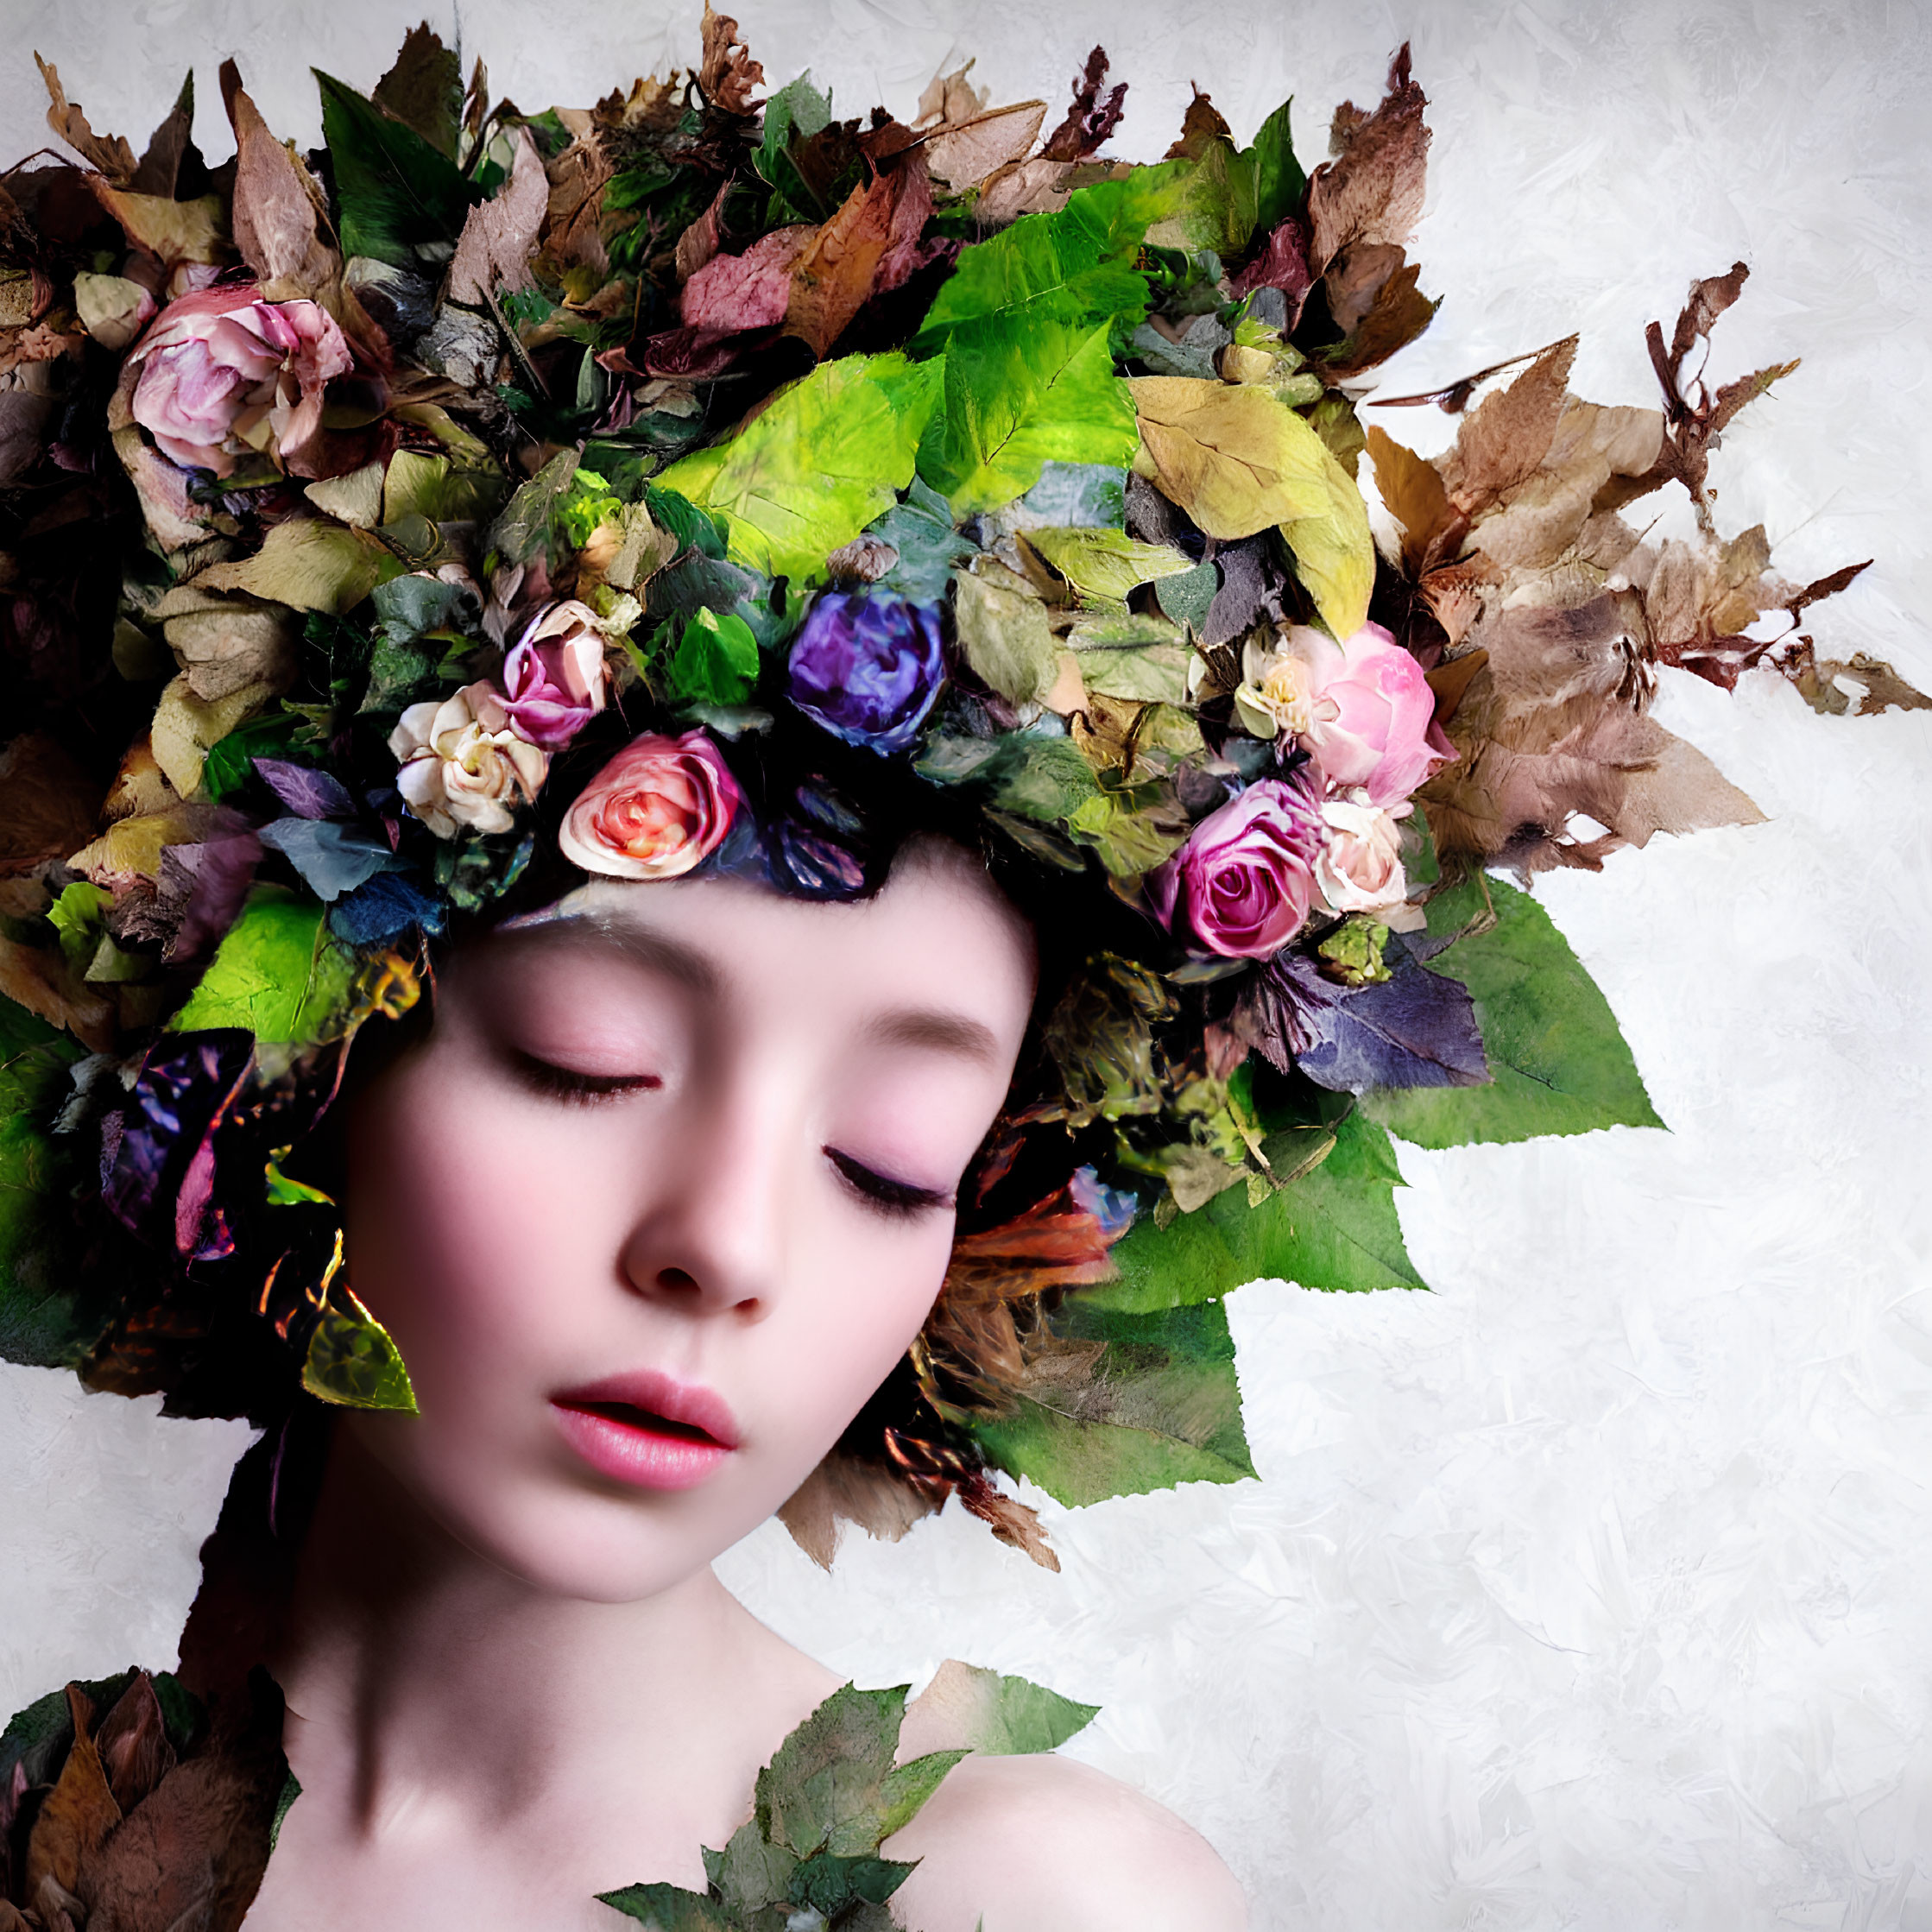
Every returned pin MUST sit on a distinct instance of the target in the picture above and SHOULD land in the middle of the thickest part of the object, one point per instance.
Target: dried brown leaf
(132, 1741)
(1201, 127)
(500, 235)
(963, 154)
(1509, 435)
(950, 98)
(1009, 1520)
(279, 211)
(1372, 190)
(1397, 311)
(170, 144)
(47, 805)
(110, 155)
(869, 245)
(194, 1853)
(726, 73)
(1412, 492)
(174, 231)
(424, 88)
(1037, 187)
(78, 1814)
(842, 1490)
(1091, 118)
(1880, 687)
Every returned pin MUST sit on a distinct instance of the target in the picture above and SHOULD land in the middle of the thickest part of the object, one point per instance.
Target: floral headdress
(700, 482)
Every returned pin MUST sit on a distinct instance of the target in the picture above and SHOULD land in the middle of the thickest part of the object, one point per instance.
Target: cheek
(454, 1226)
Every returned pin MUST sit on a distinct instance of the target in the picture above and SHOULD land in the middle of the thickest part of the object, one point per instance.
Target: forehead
(939, 933)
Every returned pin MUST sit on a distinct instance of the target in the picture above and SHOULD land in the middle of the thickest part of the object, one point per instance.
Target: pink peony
(1362, 710)
(1242, 884)
(553, 678)
(659, 807)
(223, 372)
(461, 763)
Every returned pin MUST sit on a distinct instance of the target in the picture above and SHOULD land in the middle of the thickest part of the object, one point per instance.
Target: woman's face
(663, 1197)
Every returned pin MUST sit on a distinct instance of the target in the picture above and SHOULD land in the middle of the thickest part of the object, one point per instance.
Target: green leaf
(1162, 1407)
(1144, 659)
(921, 530)
(1001, 1716)
(1215, 204)
(1335, 1227)
(902, 1792)
(276, 973)
(1278, 180)
(1186, 597)
(1074, 265)
(1107, 563)
(395, 192)
(1042, 778)
(1334, 553)
(828, 1773)
(797, 110)
(1560, 1064)
(715, 662)
(749, 1873)
(1005, 636)
(1027, 321)
(352, 1361)
(230, 763)
(828, 1884)
(1017, 397)
(1130, 837)
(50, 1316)
(668, 1909)
(522, 527)
(809, 473)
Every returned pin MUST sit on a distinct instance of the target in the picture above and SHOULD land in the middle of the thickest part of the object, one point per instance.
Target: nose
(708, 1231)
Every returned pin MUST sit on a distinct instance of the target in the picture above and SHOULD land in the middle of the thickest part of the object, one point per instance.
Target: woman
(1270, 683)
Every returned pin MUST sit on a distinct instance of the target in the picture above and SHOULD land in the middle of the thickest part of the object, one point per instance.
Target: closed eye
(577, 1088)
(881, 1192)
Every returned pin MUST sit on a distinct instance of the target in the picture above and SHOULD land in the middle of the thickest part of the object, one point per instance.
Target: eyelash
(881, 1194)
(579, 1089)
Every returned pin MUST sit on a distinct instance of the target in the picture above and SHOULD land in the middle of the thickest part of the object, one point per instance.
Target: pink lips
(647, 1428)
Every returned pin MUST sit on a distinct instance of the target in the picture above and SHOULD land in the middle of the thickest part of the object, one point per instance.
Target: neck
(425, 1681)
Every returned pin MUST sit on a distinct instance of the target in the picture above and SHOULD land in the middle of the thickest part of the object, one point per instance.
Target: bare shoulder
(1043, 1844)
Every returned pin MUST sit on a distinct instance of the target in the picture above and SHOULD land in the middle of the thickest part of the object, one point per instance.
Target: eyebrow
(946, 1033)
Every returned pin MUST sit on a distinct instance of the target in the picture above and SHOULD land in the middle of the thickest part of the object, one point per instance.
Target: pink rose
(553, 678)
(1243, 882)
(659, 808)
(1365, 712)
(223, 372)
(461, 763)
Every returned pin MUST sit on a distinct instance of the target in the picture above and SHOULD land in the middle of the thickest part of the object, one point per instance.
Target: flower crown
(703, 483)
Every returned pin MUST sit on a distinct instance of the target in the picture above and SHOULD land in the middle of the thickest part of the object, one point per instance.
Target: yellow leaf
(1334, 554)
(1231, 456)
(185, 728)
(309, 563)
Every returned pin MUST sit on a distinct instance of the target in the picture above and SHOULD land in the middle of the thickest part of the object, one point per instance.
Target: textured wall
(1591, 1590)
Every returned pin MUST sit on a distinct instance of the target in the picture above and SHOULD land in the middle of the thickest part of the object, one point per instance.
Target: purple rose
(868, 667)
(1242, 884)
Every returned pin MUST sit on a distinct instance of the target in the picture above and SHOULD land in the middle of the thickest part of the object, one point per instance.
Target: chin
(571, 1534)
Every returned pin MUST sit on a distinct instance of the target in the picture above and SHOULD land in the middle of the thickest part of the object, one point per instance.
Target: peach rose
(461, 763)
(660, 807)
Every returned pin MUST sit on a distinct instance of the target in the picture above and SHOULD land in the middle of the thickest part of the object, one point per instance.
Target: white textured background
(1595, 1589)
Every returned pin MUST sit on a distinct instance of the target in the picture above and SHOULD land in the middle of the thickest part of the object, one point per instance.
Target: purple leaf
(307, 792)
(1413, 1029)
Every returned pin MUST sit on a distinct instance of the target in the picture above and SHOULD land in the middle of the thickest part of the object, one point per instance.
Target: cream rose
(1359, 869)
(462, 764)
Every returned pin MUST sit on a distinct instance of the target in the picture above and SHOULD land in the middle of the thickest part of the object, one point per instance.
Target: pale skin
(696, 1129)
